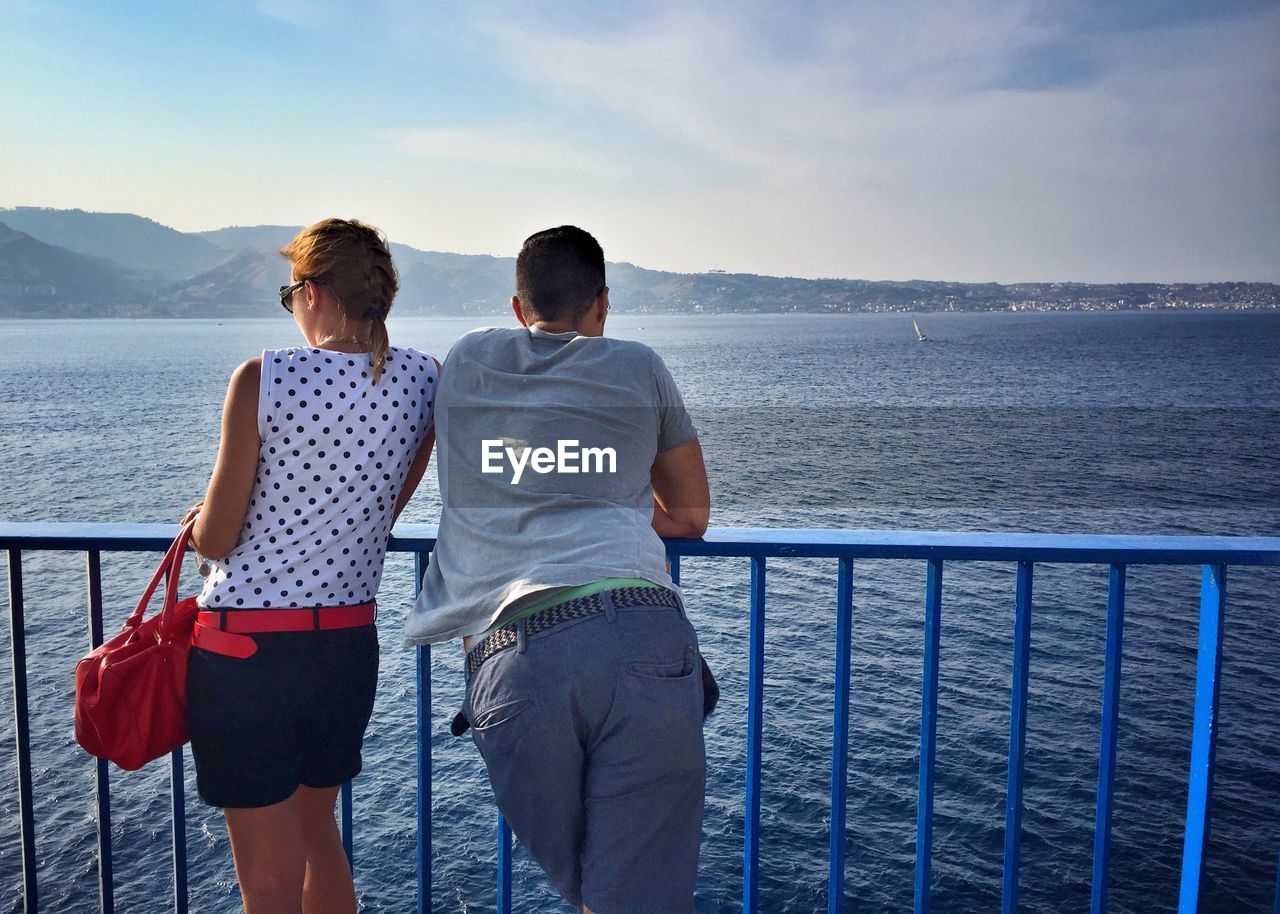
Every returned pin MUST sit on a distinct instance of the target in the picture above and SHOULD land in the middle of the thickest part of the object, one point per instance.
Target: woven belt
(578, 608)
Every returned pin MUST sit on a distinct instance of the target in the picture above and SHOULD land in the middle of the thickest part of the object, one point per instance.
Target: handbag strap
(170, 568)
(168, 611)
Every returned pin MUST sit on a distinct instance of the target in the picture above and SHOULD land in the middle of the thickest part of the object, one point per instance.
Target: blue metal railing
(1110, 731)
(1214, 554)
(928, 737)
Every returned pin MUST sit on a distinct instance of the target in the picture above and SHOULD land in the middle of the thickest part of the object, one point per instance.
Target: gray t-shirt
(545, 445)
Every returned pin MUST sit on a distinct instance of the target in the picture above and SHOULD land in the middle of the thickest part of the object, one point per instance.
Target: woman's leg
(328, 888)
(289, 856)
(270, 855)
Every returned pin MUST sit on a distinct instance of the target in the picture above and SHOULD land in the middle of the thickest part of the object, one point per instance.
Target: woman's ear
(313, 295)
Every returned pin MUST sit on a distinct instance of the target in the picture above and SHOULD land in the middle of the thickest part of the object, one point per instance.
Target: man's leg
(522, 723)
(646, 773)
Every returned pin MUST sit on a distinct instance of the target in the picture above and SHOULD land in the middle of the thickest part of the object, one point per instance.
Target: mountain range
(72, 263)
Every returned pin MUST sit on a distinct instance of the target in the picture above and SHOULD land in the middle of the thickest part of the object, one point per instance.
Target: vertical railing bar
(840, 736)
(178, 822)
(178, 792)
(504, 865)
(423, 673)
(22, 734)
(1277, 904)
(1017, 738)
(1204, 735)
(928, 734)
(347, 819)
(102, 782)
(755, 723)
(673, 559)
(1110, 730)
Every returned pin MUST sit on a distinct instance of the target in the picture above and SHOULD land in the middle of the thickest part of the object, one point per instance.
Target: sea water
(1059, 422)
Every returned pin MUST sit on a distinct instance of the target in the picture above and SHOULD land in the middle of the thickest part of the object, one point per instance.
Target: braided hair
(354, 261)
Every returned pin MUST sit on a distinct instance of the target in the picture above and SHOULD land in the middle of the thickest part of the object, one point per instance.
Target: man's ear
(519, 312)
(602, 306)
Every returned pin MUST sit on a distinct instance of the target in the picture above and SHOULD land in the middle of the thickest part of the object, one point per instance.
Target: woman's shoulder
(414, 357)
(288, 354)
(246, 381)
(410, 353)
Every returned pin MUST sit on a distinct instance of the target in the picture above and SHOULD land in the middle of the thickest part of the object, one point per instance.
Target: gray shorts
(592, 734)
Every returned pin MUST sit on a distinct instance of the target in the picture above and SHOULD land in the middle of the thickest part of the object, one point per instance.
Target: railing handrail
(772, 542)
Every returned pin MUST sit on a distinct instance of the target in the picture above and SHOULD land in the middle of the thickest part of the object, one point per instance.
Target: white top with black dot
(335, 452)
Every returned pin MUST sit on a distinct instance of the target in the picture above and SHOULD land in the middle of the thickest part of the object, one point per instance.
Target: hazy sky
(998, 140)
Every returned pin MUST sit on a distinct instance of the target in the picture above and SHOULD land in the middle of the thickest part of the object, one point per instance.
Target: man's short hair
(559, 273)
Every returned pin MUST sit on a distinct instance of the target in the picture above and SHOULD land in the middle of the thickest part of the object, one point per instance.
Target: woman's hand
(191, 514)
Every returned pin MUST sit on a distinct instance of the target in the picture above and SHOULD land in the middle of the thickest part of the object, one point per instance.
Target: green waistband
(560, 595)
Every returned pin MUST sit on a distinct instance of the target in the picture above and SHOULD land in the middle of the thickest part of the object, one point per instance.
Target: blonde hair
(354, 261)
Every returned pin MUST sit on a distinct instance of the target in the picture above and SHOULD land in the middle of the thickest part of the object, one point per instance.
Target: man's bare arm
(682, 499)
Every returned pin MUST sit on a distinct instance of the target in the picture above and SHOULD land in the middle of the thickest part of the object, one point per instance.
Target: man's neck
(565, 327)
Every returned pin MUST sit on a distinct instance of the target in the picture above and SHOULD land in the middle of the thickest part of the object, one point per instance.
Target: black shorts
(292, 714)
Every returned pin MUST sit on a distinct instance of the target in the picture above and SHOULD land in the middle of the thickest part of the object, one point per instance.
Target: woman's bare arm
(221, 514)
(416, 471)
(419, 465)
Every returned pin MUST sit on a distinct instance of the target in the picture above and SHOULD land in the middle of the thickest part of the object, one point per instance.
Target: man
(563, 458)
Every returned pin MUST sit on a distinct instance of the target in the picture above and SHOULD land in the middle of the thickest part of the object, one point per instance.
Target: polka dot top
(335, 451)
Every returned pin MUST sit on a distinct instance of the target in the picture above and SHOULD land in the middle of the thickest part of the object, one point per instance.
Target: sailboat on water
(920, 337)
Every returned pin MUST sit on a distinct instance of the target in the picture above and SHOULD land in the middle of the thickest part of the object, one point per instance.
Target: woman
(322, 446)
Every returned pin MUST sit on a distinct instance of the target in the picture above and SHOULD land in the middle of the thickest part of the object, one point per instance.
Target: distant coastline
(256, 312)
(76, 264)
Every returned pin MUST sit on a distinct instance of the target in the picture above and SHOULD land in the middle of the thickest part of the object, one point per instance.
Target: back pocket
(495, 716)
(673, 670)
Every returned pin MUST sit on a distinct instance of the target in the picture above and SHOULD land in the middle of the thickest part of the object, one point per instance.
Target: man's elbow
(691, 525)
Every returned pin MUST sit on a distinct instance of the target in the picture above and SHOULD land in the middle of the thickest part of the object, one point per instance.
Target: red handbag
(131, 693)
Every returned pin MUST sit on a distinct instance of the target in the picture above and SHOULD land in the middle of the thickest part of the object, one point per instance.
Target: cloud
(749, 92)
(980, 139)
(685, 77)
(961, 139)
(506, 147)
(1050, 66)
(1108, 17)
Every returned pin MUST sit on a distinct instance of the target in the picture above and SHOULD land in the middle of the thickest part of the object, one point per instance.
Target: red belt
(226, 632)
